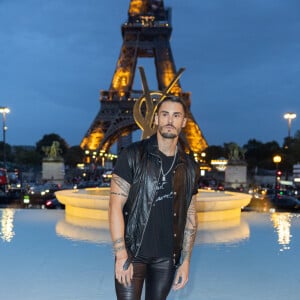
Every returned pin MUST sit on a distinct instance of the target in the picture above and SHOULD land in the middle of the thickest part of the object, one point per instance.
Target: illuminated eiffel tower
(146, 34)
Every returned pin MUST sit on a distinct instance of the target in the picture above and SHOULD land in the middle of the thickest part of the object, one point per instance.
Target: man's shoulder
(141, 145)
(135, 146)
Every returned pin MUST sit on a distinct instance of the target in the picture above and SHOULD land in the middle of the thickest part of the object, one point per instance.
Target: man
(152, 216)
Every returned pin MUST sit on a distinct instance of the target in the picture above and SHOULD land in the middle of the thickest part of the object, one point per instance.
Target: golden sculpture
(53, 151)
(144, 109)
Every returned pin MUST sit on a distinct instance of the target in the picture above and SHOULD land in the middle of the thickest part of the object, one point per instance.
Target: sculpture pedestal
(53, 170)
(236, 175)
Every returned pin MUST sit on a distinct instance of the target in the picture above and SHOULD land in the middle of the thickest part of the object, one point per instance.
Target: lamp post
(276, 161)
(4, 110)
(289, 116)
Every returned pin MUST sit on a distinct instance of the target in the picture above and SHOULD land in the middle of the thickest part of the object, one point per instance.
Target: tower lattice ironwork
(146, 34)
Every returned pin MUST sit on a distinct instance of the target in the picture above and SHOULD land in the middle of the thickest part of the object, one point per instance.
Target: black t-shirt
(158, 236)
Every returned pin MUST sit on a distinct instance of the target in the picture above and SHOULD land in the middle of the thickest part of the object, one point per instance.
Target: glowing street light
(277, 160)
(289, 116)
(4, 110)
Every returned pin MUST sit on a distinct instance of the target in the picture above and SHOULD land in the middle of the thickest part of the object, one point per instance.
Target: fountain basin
(210, 205)
(218, 206)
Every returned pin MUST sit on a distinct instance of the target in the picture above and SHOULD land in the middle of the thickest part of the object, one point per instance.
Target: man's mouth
(169, 126)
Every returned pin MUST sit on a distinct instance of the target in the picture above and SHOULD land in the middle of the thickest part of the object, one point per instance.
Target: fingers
(124, 276)
(180, 281)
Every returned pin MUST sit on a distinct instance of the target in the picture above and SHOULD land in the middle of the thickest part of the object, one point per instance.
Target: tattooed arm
(190, 232)
(118, 196)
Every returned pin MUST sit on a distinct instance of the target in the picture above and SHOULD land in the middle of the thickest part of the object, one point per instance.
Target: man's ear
(184, 122)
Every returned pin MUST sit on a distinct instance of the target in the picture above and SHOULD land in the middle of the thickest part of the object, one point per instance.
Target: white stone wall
(235, 176)
(53, 171)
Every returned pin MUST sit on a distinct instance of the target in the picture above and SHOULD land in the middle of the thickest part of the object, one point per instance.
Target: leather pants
(158, 274)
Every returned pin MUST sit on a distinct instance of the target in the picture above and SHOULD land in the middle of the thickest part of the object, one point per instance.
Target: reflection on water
(7, 224)
(97, 231)
(213, 232)
(83, 229)
(222, 232)
(282, 224)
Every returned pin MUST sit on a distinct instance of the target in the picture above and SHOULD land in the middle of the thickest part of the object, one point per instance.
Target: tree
(291, 152)
(74, 156)
(214, 152)
(8, 153)
(260, 154)
(25, 156)
(47, 141)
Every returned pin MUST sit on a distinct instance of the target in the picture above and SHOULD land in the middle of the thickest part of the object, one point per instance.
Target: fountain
(92, 203)
(87, 214)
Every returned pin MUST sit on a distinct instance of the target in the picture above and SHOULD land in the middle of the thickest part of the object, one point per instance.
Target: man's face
(170, 119)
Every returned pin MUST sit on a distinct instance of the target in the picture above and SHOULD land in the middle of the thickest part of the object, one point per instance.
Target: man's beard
(167, 135)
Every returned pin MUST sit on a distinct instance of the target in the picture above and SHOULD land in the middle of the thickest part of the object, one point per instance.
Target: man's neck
(167, 146)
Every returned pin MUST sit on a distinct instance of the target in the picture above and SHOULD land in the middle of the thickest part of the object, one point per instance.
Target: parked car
(38, 195)
(54, 204)
(285, 202)
(264, 200)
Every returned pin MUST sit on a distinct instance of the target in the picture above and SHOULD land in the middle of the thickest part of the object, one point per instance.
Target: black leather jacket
(144, 160)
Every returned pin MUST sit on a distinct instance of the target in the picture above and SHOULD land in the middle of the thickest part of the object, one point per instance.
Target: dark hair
(174, 99)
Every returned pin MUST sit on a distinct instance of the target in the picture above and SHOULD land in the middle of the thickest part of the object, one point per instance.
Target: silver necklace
(161, 167)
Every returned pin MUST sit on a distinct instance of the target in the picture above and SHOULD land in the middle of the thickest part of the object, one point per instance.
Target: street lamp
(276, 160)
(289, 116)
(278, 173)
(4, 110)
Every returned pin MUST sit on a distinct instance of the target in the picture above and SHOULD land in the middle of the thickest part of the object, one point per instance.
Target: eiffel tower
(146, 34)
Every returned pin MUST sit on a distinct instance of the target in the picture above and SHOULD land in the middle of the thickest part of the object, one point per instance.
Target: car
(37, 196)
(265, 200)
(259, 203)
(285, 202)
(54, 204)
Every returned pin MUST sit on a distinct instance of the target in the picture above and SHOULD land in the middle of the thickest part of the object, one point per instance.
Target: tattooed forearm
(188, 242)
(121, 185)
(118, 194)
(118, 241)
(190, 232)
(119, 244)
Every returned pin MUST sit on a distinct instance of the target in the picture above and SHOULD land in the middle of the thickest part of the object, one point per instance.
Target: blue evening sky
(242, 60)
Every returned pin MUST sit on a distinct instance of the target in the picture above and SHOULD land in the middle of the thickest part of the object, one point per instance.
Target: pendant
(163, 178)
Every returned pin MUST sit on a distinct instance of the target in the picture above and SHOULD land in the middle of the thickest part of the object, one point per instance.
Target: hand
(182, 276)
(124, 276)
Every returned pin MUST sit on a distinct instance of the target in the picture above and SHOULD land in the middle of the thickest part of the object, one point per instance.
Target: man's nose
(170, 120)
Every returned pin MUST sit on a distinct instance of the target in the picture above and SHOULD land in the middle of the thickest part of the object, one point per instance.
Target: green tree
(73, 156)
(291, 152)
(26, 156)
(47, 141)
(8, 153)
(214, 152)
(258, 154)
